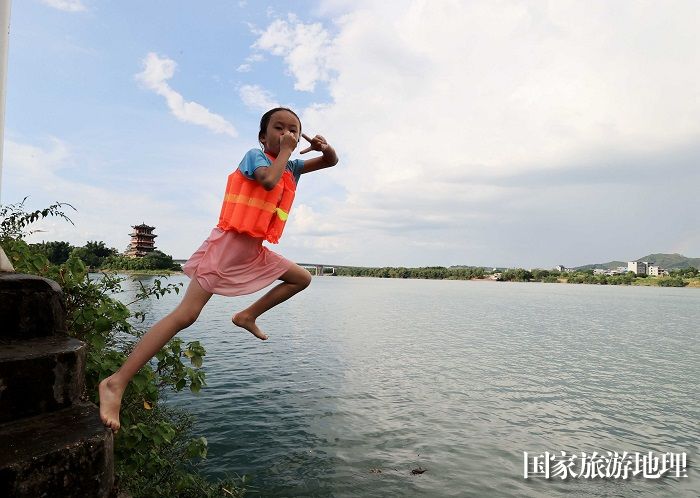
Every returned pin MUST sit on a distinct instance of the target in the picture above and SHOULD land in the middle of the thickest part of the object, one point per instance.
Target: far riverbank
(433, 274)
(676, 279)
(165, 273)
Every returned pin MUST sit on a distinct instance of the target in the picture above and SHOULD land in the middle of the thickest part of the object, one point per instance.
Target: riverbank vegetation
(430, 272)
(677, 278)
(97, 256)
(157, 454)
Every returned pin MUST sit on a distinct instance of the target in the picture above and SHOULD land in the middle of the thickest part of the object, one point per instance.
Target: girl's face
(280, 123)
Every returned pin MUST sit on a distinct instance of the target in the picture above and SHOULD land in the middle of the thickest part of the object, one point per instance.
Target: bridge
(316, 269)
(319, 269)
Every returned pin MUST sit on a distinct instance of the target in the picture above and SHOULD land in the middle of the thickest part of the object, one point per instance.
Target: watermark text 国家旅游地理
(604, 465)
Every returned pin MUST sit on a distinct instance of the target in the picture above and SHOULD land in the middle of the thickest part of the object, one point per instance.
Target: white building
(564, 269)
(656, 271)
(637, 267)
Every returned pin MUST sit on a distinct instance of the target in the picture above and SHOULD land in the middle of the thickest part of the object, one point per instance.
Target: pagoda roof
(143, 225)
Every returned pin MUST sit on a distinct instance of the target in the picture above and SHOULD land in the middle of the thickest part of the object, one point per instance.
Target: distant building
(656, 271)
(141, 241)
(600, 271)
(637, 267)
(560, 268)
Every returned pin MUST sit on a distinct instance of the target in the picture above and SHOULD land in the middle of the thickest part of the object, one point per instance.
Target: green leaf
(140, 381)
(102, 324)
(97, 342)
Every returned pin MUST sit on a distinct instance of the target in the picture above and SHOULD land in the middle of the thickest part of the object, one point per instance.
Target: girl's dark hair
(265, 120)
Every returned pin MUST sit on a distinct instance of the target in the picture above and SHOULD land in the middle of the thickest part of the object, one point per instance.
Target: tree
(86, 257)
(157, 260)
(672, 282)
(540, 275)
(689, 272)
(156, 453)
(93, 253)
(99, 249)
(517, 275)
(57, 252)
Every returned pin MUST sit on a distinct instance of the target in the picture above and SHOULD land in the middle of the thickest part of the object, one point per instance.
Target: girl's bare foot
(110, 402)
(248, 323)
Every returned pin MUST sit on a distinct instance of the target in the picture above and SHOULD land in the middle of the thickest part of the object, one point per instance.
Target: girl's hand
(288, 140)
(317, 143)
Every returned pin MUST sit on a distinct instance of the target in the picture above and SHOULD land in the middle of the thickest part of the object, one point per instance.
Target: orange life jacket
(249, 208)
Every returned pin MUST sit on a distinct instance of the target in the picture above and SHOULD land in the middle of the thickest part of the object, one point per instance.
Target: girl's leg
(112, 388)
(294, 280)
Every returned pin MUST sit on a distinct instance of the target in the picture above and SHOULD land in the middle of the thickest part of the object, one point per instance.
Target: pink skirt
(233, 264)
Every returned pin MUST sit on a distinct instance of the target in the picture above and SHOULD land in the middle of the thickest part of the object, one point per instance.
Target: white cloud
(46, 174)
(66, 5)
(257, 97)
(304, 47)
(497, 89)
(247, 66)
(518, 132)
(433, 104)
(36, 161)
(157, 70)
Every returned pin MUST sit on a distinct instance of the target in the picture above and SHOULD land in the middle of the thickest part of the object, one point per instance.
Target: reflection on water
(459, 378)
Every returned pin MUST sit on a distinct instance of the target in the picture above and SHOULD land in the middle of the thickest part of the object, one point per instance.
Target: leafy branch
(15, 220)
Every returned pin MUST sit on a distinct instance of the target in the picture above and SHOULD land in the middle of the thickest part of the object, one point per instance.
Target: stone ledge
(30, 306)
(68, 453)
(40, 375)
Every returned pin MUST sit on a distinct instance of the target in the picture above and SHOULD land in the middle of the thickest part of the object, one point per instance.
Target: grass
(654, 281)
(693, 282)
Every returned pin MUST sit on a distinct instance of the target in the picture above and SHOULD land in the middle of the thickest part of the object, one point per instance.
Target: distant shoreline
(165, 273)
(693, 283)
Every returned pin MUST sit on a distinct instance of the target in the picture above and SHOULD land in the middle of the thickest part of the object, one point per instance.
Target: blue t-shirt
(255, 158)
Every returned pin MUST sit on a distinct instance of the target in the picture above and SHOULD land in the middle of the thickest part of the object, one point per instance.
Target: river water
(364, 380)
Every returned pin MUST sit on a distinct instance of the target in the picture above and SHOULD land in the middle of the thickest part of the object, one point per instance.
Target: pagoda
(141, 241)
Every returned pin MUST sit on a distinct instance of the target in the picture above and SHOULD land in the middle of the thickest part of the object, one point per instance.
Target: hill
(667, 261)
(608, 266)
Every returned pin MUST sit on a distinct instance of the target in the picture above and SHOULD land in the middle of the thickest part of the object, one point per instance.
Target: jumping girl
(233, 261)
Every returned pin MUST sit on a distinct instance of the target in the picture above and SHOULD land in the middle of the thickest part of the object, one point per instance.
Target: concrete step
(30, 306)
(67, 453)
(40, 375)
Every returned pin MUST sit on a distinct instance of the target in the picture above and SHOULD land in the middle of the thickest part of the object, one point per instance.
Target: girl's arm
(268, 176)
(328, 159)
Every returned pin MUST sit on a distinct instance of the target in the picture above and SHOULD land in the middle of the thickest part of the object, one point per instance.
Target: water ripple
(458, 378)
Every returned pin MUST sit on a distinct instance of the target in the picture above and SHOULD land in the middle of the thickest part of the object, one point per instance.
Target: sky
(485, 133)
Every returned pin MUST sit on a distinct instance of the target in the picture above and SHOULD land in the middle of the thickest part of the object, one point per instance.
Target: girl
(233, 261)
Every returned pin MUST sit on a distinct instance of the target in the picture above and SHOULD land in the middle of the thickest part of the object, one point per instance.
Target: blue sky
(511, 134)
